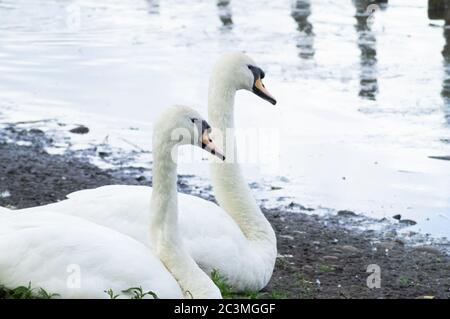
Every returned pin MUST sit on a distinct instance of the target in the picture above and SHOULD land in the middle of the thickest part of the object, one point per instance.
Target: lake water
(360, 111)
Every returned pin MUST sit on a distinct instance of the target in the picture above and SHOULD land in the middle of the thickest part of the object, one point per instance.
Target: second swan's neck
(164, 227)
(231, 189)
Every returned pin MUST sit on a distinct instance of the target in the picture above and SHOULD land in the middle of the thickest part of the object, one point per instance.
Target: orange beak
(260, 90)
(208, 145)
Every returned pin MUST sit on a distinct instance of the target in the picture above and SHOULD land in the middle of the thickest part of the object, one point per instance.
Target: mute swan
(4, 210)
(76, 258)
(235, 239)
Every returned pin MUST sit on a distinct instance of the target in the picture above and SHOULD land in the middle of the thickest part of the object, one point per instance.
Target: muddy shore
(319, 257)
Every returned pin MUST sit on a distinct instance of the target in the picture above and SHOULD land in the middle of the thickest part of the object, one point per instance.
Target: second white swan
(236, 239)
(76, 258)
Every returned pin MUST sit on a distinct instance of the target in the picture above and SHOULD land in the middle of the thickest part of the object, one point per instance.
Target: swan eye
(206, 127)
(262, 74)
(193, 120)
(257, 72)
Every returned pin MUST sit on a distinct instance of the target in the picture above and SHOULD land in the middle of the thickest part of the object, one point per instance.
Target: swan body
(235, 238)
(42, 245)
(208, 232)
(76, 258)
(4, 210)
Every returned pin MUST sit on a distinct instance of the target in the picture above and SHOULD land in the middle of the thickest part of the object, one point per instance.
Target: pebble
(346, 213)
(81, 129)
(103, 154)
(36, 131)
(349, 249)
(428, 249)
(287, 237)
(408, 222)
(330, 258)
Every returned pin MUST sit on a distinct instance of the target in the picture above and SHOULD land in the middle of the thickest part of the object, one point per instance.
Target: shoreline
(319, 255)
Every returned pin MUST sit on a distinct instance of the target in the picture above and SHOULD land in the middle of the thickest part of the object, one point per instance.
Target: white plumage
(76, 258)
(4, 210)
(210, 235)
(235, 239)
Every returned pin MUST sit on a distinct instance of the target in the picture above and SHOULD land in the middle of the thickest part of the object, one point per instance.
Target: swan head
(242, 73)
(182, 125)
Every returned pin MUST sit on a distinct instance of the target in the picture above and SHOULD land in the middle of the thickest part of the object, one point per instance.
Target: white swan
(76, 258)
(4, 210)
(237, 240)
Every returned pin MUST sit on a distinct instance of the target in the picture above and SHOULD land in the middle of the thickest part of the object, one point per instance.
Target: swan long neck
(231, 189)
(164, 226)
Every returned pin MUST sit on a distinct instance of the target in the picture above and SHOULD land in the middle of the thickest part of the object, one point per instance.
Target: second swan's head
(182, 125)
(242, 73)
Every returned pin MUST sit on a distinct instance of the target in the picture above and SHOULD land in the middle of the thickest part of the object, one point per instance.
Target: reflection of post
(440, 10)
(367, 45)
(225, 14)
(446, 80)
(446, 55)
(437, 9)
(153, 6)
(301, 10)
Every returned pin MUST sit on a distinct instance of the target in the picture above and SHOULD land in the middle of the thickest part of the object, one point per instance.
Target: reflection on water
(446, 80)
(301, 10)
(153, 6)
(368, 56)
(225, 14)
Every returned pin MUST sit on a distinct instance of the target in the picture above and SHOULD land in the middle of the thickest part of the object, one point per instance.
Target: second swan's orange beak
(208, 145)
